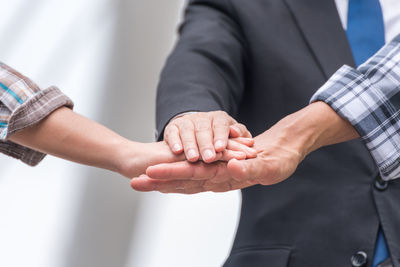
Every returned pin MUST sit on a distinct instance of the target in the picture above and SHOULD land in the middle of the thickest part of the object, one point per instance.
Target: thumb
(245, 170)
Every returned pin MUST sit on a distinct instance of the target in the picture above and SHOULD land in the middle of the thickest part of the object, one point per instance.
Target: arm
(90, 143)
(369, 98)
(34, 122)
(204, 73)
(23, 104)
(368, 102)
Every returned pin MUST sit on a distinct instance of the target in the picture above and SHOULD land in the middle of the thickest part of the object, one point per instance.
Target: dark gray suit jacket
(260, 60)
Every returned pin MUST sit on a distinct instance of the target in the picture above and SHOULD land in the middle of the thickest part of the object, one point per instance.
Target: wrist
(317, 125)
(133, 158)
(128, 161)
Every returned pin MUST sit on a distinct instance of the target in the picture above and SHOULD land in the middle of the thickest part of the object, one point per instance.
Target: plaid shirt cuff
(23, 104)
(369, 98)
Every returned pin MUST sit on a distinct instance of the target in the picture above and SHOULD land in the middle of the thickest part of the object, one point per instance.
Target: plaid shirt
(369, 98)
(23, 104)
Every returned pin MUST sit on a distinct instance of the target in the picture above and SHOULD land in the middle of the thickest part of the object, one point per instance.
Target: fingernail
(191, 154)
(177, 147)
(208, 154)
(219, 144)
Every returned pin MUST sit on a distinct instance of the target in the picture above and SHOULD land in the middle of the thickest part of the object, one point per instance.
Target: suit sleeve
(205, 70)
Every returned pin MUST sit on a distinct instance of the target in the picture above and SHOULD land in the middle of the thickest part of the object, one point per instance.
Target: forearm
(314, 126)
(68, 135)
(329, 127)
(368, 97)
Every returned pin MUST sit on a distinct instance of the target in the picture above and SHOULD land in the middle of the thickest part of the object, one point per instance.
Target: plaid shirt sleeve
(23, 104)
(369, 98)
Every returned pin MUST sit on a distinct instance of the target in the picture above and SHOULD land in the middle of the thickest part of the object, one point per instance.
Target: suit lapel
(320, 24)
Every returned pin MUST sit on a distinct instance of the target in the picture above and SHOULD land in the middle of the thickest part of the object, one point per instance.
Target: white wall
(106, 55)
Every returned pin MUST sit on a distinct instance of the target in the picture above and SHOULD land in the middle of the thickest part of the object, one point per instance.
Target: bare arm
(70, 136)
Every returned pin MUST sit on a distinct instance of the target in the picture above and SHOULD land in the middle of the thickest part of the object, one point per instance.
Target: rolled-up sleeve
(23, 104)
(369, 98)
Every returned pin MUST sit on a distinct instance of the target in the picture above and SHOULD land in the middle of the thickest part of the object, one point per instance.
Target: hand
(280, 150)
(207, 132)
(275, 162)
(133, 158)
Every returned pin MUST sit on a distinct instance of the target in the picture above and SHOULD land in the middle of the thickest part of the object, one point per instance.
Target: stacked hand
(279, 150)
(275, 160)
(205, 134)
(201, 137)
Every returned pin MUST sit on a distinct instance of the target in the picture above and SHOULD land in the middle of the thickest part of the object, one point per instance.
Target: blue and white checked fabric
(369, 98)
(23, 104)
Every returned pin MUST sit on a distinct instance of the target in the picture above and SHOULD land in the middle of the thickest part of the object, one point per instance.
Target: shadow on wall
(106, 217)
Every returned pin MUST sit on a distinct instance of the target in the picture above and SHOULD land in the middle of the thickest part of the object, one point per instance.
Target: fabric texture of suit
(260, 60)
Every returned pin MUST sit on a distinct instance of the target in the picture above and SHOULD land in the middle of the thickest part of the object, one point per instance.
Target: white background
(106, 55)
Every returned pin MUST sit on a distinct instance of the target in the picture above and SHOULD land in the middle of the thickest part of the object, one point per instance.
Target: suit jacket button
(381, 184)
(359, 259)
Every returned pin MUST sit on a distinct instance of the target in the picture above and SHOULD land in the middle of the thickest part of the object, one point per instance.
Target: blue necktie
(366, 35)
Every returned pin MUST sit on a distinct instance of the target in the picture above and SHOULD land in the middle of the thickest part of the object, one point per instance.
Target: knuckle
(223, 125)
(167, 129)
(203, 125)
(200, 115)
(186, 129)
(242, 126)
(177, 121)
(170, 133)
(222, 116)
(221, 113)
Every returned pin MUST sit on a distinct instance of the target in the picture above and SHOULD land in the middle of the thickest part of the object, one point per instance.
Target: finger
(219, 156)
(221, 130)
(173, 139)
(143, 184)
(250, 152)
(227, 155)
(178, 170)
(239, 130)
(187, 171)
(188, 138)
(244, 141)
(204, 137)
(146, 184)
